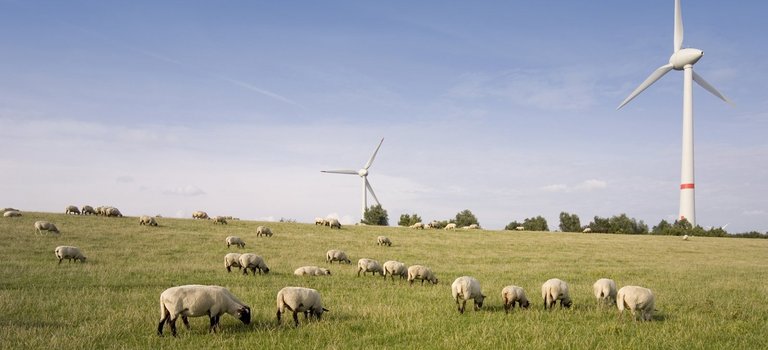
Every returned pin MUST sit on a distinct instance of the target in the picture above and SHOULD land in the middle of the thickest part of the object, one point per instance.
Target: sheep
(465, 288)
(234, 240)
(9, 209)
(11, 214)
(450, 226)
(112, 212)
(395, 268)
(70, 253)
(312, 271)
(421, 272)
(299, 299)
(417, 225)
(514, 294)
(383, 240)
(685, 237)
(232, 260)
(199, 215)
(147, 220)
(472, 227)
(369, 265)
(605, 291)
(41, 226)
(553, 290)
(87, 210)
(336, 255)
(71, 209)
(320, 221)
(428, 226)
(219, 220)
(253, 261)
(334, 223)
(636, 299)
(520, 228)
(587, 230)
(263, 231)
(197, 300)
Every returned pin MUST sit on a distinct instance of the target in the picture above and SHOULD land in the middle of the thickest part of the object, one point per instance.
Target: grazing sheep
(199, 215)
(234, 240)
(421, 272)
(232, 260)
(312, 271)
(299, 299)
(71, 209)
(636, 299)
(320, 221)
(70, 253)
(395, 268)
(417, 225)
(263, 231)
(9, 209)
(605, 291)
(685, 237)
(383, 240)
(87, 210)
(219, 220)
(41, 226)
(520, 228)
(11, 214)
(147, 220)
(472, 227)
(253, 262)
(334, 223)
(553, 290)
(587, 230)
(369, 265)
(514, 294)
(113, 212)
(198, 300)
(336, 255)
(465, 288)
(450, 226)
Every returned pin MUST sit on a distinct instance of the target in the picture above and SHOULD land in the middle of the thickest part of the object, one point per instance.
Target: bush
(408, 220)
(466, 218)
(376, 215)
(570, 222)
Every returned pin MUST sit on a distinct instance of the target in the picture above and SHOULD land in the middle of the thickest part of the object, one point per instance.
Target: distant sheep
(197, 300)
(11, 214)
(232, 260)
(520, 228)
(685, 237)
(113, 212)
(395, 268)
(41, 226)
(639, 300)
(147, 220)
(299, 299)
(514, 294)
(9, 209)
(71, 209)
(465, 288)
(472, 227)
(219, 220)
(199, 215)
(553, 290)
(417, 225)
(263, 231)
(605, 291)
(334, 223)
(383, 240)
(369, 265)
(234, 240)
(253, 262)
(312, 271)
(587, 230)
(336, 255)
(320, 221)
(450, 226)
(422, 273)
(70, 253)
(87, 210)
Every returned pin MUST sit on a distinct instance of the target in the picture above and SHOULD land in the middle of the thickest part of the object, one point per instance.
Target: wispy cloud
(585, 186)
(185, 191)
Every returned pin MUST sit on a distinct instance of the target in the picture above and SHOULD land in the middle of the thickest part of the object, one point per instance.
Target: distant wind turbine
(682, 59)
(363, 173)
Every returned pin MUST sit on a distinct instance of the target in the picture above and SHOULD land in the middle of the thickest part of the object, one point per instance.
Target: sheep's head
(525, 304)
(434, 280)
(479, 302)
(244, 314)
(318, 312)
(566, 303)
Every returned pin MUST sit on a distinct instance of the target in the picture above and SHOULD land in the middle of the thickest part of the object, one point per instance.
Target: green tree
(466, 218)
(570, 222)
(513, 225)
(376, 215)
(408, 220)
(538, 223)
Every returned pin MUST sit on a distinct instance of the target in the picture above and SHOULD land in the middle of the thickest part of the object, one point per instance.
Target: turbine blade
(678, 27)
(703, 83)
(658, 73)
(349, 172)
(370, 161)
(370, 189)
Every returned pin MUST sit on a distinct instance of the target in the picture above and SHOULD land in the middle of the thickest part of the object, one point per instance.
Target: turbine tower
(682, 59)
(363, 173)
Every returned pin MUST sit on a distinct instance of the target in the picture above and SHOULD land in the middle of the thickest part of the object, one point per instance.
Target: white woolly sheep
(263, 231)
(320, 221)
(219, 220)
(299, 299)
(369, 265)
(514, 294)
(417, 225)
(312, 271)
(234, 240)
(421, 272)
(11, 214)
(587, 230)
(450, 226)
(465, 288)
(685, 237)
(232, 260)
(199, 214)
(605, 291)
(87, 210)
(71, 209)
(334, 223)
(520, 228)
(395, 268)
(472, 227)
(636, 299)
(553, 290)
(41, 226)
(383, 240)
(336, 255)
(253, 262)
(70, 253)
(113, 212)
(196, 301)
(147, 220)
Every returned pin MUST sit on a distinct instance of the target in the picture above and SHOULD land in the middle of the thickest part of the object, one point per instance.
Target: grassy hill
(711, 292)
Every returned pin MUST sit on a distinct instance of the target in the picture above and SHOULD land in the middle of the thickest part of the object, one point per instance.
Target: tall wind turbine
(682, 59)
(363, 173)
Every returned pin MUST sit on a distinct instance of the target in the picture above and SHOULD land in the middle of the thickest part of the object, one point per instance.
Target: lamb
(263, 231)
(253, 262)
(219, 220)
(418, 225)
(234, 240)
(299, 299)
(71, 209)
(147, 220)
(41, 226)
(383, 240)
(553, 290)
(336, 255)
(514, 294)
(465, 288)
(199, 215)
(70, 253)
(232, 260)
(421, 272)
(636, 299)
(87, 210)
(605, 291)
(334, 223)
(450, 226)
(395, 268)
(197, 300)
(312, 271)
(369, 265)
(11, 214)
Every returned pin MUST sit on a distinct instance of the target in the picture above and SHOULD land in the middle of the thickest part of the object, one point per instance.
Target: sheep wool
(299, 299)
(640, 301)
(196, 301)
(70, 253)
(422, 273)
(605, 291)
(514, 294)
(395, 268)
(553, 290)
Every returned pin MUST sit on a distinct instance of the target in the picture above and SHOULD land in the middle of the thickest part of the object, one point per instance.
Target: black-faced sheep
(71, 209)
(450, 226)
(234, 240)
(383, 240)
(87, 210)
(422, 273)
(334, 223)
(312, 271)
(196, 301)
(395, 268)
(253, 262)
(11, 214)
(219, 220)
(605, 291)
(514, 294)
(147, 220)
(553, 290)
(369, 265)
(199, 215)
(70, 253)
(41, 226)
(465, 288)
(299, 299)
(336, 255)
(263, 231)
(232, 260)
(639, 300)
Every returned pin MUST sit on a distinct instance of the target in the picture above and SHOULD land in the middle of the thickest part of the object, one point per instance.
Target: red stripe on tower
(686, 186)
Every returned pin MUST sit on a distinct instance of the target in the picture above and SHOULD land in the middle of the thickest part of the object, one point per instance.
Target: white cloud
(186, 191)
(585, 186)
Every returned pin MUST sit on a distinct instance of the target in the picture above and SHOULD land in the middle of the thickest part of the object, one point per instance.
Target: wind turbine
(682, 59)
(363, 173)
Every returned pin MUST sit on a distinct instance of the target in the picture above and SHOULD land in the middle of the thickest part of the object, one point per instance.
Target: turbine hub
(362, 172)
(684, 57)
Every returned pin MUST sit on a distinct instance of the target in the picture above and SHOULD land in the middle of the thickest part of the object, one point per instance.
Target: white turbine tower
(682, 59)
(363, 173)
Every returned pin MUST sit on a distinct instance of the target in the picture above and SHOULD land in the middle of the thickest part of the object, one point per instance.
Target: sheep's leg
(296, 318)
(358, 272)
(185, 320)
(214, 324)
(60, 259)
(278, 316)
(245, 270)
(166, 317)
(173, 326)
(229, 269)
(507, 305)
(463, 305)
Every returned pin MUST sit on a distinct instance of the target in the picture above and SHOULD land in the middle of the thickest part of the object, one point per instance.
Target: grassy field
(710, 292)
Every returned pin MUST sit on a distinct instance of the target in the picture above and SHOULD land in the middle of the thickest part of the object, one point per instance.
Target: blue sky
(505, 108)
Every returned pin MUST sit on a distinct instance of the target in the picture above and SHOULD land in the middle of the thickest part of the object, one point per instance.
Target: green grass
(710, 292)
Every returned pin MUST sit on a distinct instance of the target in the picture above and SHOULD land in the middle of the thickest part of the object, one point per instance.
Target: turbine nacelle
(362, 172)
(684, 57)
